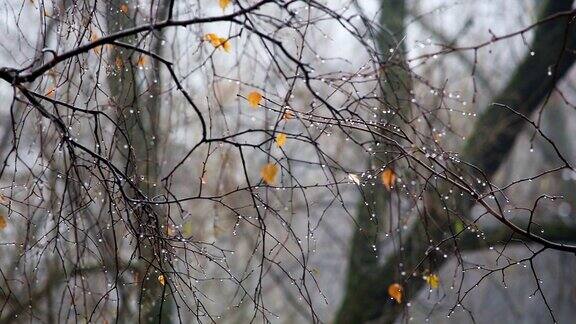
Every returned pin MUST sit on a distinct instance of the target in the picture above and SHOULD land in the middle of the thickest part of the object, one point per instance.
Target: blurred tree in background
(485, 150)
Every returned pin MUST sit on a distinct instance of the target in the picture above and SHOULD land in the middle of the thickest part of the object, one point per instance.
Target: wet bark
(366, 298)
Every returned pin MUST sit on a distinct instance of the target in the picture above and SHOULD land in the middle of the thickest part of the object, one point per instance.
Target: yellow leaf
(458, 227)
(224, 3)
(124, 8)
(395, 291)
(187, 229)
(268, 173)
(280, 139)
(388, 178)
(254, 99)
(161, 280)
(171, 230)
(3, 222)
(433, 280)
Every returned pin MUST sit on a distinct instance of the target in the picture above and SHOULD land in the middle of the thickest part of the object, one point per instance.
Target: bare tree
(169, 161)
(484, 151)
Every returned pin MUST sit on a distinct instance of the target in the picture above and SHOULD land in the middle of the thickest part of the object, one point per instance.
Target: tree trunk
(135, 88)
(366, 298)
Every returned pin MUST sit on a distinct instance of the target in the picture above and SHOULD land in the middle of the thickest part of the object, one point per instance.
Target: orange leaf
(395, 291)
(119, 63)
(388, 178)
(93, 38)
(124, 8)
(268, 173)
(280, 139)
(226, 45)
(3, 222)
(141, 61)
(3, 200)
(51, 91)
(213, 39)
(254, 99)
(288, 114)
(224, 3)
(161, 280)
(218, 42)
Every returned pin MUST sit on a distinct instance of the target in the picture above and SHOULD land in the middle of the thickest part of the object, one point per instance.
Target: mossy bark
(134, 86)
(497, 128)
(366, 298)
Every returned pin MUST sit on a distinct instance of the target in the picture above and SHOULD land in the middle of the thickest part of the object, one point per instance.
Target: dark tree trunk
(366, 298)
(139, 119)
